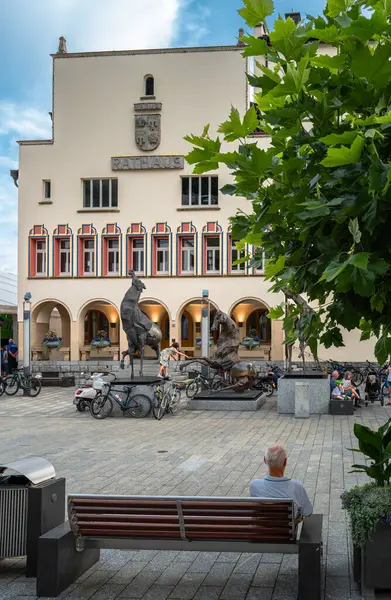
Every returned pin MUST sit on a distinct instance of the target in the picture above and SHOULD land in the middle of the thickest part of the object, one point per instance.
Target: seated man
(333, 380)
(276, 485)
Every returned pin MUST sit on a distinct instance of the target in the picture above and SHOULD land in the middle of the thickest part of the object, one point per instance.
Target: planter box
(319, 392)
(372, 562)
(341, 407)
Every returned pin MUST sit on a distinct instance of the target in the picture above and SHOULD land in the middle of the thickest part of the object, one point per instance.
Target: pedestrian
(165, 356)
(4, 361)
(12, 350)
(388, 383)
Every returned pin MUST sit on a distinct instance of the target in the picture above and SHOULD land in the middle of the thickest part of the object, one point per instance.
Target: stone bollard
(302, 400)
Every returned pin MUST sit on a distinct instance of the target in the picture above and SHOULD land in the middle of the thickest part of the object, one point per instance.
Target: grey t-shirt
(282, 487)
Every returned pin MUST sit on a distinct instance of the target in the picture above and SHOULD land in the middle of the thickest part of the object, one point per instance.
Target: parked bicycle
(2, 386)
(167, 399)
(137, 406)
(361, 373)
(31, 384)
(264, 384)
(342, 368)
(201, 382)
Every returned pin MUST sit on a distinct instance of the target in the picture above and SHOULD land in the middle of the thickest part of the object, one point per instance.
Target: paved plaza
(192, 453)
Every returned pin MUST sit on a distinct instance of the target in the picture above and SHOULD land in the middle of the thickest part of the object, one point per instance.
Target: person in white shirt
(276, 485)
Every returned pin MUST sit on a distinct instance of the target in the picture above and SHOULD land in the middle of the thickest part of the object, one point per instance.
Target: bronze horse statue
(241, 374)
(140, 330)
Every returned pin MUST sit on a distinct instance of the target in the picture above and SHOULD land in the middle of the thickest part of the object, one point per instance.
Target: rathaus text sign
(130, 163)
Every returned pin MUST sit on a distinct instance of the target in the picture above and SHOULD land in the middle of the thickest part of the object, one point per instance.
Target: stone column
(123, 342)
(15, 328)
(278, 348)
(20, 337)
(75, 343)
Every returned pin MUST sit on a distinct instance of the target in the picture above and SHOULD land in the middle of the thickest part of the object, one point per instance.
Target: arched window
(149, 85)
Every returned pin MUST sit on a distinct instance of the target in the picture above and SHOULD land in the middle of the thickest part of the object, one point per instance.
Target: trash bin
(32, 502)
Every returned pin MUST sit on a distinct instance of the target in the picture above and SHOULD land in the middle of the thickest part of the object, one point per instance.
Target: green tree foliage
(321, 193)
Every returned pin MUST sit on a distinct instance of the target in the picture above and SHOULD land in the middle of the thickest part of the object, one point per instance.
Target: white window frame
(100, 207)
(165, 252)
(42, 253)
(200, 177)
(47, 186)
(90, 251)
(187, 251)
(262, 270)
(114, 251)
(237, 269)
(138, 255)
(213, 250)
(67, 253)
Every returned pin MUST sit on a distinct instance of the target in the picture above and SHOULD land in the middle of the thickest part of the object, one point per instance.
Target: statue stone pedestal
(250, 400)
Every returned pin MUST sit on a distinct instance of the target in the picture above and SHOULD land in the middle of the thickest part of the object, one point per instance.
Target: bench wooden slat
(189, 526)
(168, 512)
(187, 504)
(89, 517)
(197, 535)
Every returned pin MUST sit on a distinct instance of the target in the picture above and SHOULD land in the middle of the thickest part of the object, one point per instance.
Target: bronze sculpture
(140, 330)
(241, 374)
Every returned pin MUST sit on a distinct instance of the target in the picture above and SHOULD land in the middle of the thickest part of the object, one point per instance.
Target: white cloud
(8, 224)
(26, 122)
(87, 25)
(7, 163)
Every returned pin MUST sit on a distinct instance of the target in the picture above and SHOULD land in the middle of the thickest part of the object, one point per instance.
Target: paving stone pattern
(192, 453)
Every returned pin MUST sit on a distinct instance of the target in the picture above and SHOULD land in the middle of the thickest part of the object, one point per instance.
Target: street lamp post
(27, 336)
(205, 318)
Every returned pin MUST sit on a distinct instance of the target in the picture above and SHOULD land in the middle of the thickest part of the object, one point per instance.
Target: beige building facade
(111, 192)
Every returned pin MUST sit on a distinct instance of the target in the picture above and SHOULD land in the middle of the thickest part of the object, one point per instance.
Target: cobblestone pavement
(192, 453)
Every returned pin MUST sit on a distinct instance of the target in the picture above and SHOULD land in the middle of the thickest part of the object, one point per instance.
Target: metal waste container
(32, 502)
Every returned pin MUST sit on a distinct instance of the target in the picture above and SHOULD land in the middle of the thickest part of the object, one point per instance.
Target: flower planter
(372, 561)
(250, 343)
(99, 344)
(51, 343)
(199, 342)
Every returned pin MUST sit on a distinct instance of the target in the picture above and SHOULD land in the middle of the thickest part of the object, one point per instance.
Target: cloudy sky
(29, 32)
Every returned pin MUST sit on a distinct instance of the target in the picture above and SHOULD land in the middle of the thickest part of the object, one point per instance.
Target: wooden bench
(208, 524)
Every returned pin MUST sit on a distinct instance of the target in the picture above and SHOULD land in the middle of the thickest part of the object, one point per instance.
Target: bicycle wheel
(2, 387)
(101, 407)
(12, 385)
(357, 377)
(192, 389)
(140, 406)
(33, 386)
(174, 404)
(268, 389)
(159, 406)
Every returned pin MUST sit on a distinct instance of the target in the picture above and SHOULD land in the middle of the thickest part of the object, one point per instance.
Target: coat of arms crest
(147, 131)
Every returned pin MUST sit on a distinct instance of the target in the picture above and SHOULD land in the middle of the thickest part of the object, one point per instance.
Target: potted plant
(199, 342)
(101, 340)
(51, 341)
(369, 508)
(250, 342)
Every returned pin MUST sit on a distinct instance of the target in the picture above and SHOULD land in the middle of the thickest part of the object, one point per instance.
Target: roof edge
(183, 50)
(35, 142)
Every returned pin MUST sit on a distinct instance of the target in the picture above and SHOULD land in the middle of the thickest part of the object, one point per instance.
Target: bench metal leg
(46, 509)
(59, 563)
(356, 564)
(310, 559)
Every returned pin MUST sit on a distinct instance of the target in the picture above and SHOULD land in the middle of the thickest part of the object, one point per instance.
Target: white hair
(275, 456)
